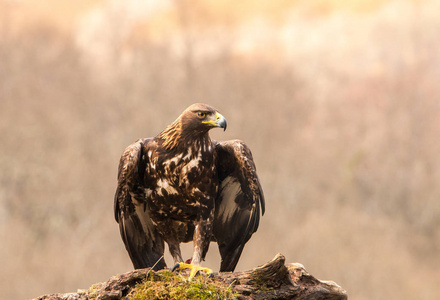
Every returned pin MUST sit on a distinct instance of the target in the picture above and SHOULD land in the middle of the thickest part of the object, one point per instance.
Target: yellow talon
(194, 269)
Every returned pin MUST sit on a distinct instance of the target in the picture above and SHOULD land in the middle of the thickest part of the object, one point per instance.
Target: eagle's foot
(194, 269)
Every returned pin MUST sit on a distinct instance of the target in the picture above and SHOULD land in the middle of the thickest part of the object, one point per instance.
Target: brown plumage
(181, 186)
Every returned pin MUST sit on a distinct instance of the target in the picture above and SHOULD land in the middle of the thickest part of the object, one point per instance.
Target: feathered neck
(175, 136)
(171, 135)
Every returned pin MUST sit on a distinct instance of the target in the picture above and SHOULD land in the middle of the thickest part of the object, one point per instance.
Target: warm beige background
(339, 101)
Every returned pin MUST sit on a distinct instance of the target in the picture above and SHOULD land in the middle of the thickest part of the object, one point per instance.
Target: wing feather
(142, 241)
(239, 203)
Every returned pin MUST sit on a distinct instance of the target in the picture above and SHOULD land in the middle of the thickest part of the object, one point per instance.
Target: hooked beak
(220, 121)
(217, 121)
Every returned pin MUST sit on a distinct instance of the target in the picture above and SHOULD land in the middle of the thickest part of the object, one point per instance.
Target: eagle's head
(194, 122)
(201, 117)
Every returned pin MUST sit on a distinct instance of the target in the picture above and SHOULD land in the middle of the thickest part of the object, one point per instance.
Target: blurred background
(338, 100)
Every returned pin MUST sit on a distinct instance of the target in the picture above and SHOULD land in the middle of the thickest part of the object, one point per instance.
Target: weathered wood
(273, 280)
(312, 288)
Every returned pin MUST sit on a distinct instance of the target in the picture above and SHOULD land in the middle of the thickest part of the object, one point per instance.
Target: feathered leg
(202, 237)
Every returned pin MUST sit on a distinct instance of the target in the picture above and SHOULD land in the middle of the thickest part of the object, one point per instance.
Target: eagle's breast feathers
(180, 185)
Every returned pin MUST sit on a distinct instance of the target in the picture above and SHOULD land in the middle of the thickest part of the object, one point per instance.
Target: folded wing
(142, 241)
(239, 203)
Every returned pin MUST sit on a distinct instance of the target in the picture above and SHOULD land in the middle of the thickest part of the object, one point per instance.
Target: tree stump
(273, 280)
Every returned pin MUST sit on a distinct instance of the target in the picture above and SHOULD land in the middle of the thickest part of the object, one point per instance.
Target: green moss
(92, 292)
(262, 284)
(166, 285)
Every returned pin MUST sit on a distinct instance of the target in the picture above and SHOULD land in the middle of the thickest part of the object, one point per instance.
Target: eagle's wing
(142, 241)
(239, 202)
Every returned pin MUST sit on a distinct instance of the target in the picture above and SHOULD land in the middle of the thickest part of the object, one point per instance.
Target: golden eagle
(181, 186)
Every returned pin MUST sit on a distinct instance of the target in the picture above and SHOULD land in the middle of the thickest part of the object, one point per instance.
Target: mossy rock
(166, 285)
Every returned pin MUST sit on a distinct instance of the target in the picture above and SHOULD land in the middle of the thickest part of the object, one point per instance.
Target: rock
(273, 280)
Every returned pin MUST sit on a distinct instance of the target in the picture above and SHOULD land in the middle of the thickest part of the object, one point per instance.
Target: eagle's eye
(201, 114)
